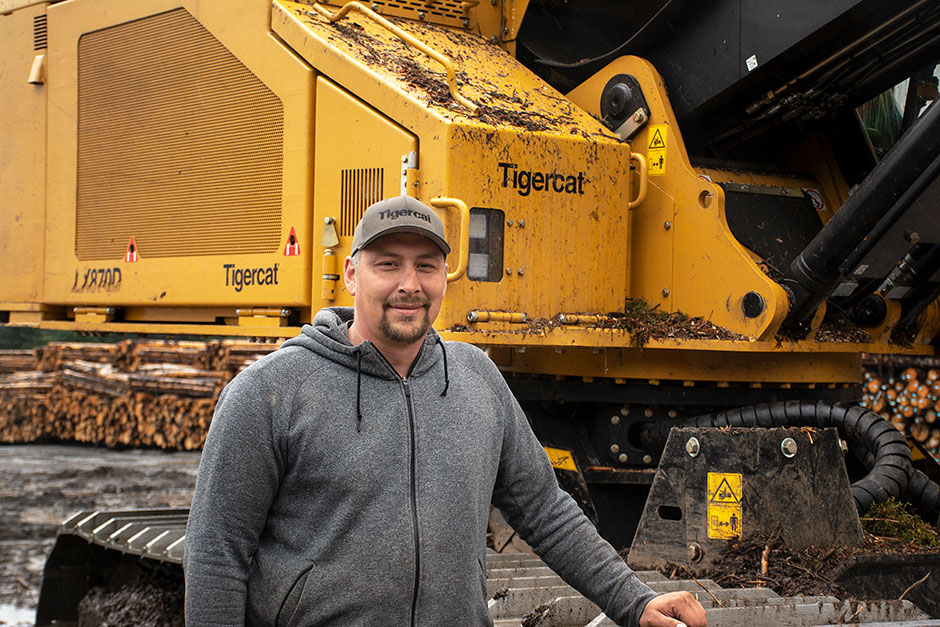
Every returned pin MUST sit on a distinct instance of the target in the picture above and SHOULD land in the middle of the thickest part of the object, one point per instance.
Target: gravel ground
(43, 484)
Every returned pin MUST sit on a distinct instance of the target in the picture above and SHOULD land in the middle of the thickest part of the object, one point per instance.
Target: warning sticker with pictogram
(131, 255)
(560, 458)
(659, 133)
(656, 150)
(816, 198)
(724, 505)
(292, 247)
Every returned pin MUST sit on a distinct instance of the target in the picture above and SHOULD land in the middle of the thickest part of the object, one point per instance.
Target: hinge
(409, 173)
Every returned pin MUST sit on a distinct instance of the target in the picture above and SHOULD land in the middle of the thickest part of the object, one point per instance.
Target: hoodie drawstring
(359, 382)
(444, 353)
(358, 390)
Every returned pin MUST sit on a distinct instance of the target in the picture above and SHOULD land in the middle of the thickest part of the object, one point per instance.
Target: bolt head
(665, 291)
(788, 447)
(623, 458)
(753, 304)
(692, 447)
(615, 420)
(695, 552)
(667, 225)
(614, 448)
(647, 459)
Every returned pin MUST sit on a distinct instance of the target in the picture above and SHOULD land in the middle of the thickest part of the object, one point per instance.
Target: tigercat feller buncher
(663, 214)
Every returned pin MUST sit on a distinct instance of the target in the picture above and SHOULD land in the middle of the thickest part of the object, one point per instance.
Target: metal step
(153, 533)
(515, 583)
(521, 584)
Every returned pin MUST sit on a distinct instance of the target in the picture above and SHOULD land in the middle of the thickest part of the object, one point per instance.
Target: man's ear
(349, 275)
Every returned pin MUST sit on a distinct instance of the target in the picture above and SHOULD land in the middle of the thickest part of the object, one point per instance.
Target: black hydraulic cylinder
(815, 272)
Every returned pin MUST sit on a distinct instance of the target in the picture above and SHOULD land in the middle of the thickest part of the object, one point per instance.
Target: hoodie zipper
(414, 500)
(406, 388)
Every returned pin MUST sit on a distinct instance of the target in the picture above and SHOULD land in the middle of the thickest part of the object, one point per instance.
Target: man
(347, 477)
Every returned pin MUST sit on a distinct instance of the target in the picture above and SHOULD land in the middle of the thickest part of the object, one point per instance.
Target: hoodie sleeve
(551, 522)
(238, 477)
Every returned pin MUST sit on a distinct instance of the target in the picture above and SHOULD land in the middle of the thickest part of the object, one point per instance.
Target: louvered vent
(446, 12)
(359, 189)
(180, 146)
(40, 32)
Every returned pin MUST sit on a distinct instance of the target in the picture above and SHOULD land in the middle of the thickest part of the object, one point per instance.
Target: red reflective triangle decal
(292, 247)
(131, 255)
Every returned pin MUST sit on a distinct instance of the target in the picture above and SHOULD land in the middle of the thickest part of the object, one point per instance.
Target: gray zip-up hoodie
(333, 491)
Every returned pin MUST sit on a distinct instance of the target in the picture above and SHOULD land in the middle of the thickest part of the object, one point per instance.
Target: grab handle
(644, 180)
(463, 235)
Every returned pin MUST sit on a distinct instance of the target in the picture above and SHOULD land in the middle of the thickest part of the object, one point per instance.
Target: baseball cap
(398, 215)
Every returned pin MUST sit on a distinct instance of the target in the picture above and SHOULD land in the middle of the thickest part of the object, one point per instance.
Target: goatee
(410, 332)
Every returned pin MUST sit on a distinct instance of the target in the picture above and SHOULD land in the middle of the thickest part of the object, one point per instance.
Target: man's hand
(674, 609)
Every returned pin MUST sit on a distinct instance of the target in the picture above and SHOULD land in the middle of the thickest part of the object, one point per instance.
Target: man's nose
(408, 281)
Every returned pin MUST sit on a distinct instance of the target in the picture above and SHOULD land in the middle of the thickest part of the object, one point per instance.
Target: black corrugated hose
(875, 441)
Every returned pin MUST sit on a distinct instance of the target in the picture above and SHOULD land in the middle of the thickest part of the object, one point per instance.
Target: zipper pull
(404, 382)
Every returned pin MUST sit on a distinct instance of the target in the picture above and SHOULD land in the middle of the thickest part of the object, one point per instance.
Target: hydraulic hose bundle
(874, 441)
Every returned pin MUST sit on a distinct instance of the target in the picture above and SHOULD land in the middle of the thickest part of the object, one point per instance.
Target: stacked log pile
(51, 357)
(162, 393)
(906, 392)
(133, 393)
(16, 360)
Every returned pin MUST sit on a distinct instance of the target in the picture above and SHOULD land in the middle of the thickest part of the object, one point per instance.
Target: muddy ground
(42, 484)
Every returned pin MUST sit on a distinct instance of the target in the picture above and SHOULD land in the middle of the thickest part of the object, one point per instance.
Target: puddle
(12, 616)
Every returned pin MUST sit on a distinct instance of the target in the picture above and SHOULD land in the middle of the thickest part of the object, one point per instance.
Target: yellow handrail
(644, 180)
(463, 236)
(410, 39)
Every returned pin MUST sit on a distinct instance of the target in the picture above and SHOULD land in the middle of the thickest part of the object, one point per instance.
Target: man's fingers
(674, 609)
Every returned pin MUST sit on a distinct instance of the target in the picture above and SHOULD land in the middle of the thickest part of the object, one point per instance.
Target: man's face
(398, 289)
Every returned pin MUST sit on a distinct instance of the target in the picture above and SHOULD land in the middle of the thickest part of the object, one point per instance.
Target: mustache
(406, 302)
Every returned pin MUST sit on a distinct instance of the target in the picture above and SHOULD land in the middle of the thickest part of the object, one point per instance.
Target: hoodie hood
(328, 336)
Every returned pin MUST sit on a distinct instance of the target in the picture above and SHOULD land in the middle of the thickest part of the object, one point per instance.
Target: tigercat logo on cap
(525, 181)
(403, 213)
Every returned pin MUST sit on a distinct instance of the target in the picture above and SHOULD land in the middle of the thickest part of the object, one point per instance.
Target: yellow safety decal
(656, 151)
(724, 505)
(560, 458)
(916, 455)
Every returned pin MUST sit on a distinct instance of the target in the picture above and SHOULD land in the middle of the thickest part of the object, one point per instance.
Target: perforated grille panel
(179, 145)
(359, 188)
(446, 12)
(40, 32)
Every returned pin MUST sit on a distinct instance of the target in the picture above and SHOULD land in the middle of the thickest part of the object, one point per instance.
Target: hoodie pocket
(285, 615)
